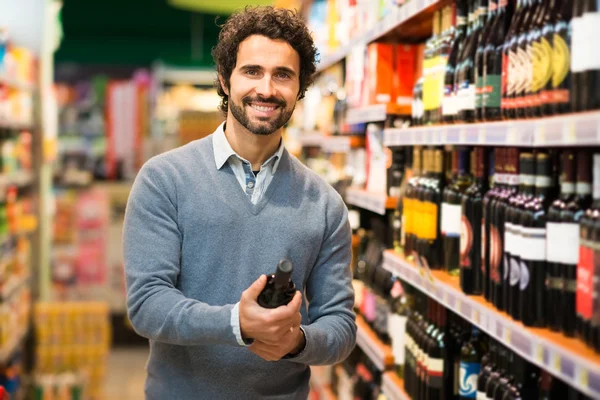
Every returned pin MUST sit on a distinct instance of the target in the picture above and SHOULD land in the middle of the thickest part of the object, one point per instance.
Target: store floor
(126, 373)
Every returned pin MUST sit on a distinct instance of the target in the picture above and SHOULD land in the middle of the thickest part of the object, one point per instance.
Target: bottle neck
(527, 184)
(482, 13)
(543, 185)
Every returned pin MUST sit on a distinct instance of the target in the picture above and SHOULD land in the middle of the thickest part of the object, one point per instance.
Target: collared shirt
(254, 186)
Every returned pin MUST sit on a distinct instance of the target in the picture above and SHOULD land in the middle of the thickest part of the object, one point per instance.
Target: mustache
(259, 99)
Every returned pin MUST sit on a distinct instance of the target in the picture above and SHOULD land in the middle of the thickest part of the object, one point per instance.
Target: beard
(264, 125)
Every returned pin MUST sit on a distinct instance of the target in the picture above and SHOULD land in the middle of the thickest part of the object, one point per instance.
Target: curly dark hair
(274, 23)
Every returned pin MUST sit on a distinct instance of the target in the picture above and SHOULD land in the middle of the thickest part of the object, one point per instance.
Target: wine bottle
(554, 243)
(451, 212)
(417, 109)
(571, 217)
(546, 44)
(470, 241)
(409, 205)
(430, 64)
(470, 365)
(523, 61)
(400, 307)
(449, 101)
(494, 69)
(513, 235)
(279, 289)
(540, 54)
(496, 179)
(462, 92)
(499, 373)
(511, 61)
(532, 275)
(487, 22)
(489, 364)
(506, 380)
(431, 256)
(579, 56)
(561, 59)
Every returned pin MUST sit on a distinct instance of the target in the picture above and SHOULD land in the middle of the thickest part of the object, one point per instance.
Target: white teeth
(261, 108)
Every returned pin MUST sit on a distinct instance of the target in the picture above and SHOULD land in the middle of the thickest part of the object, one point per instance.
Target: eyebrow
(287, 70)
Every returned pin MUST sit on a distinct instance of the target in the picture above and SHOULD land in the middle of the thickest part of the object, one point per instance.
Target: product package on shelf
(72, 344)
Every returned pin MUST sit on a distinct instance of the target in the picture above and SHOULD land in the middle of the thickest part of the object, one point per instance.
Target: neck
(255, 148)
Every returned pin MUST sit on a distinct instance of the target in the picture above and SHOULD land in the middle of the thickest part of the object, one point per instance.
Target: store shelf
(567, 130)
(15, 84)
(379, 353)
(393, 387)
(12, 286)
(9, 350)
(398, 17)
(375, 113)
(567, 358)
(15, 126)
(332, 144)
(376, 202)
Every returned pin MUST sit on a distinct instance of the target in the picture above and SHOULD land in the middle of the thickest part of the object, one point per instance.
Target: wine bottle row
(521, 228)
(438, 354)
(503, 59)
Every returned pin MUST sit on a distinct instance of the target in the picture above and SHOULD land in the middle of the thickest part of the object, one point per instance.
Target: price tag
(540, 135)
(583, 377)
(444, 136)
(556, 362)
(511, 135)
(539, 353)
(482, 135)
(462, 136)
(569, 132)
(476, 317)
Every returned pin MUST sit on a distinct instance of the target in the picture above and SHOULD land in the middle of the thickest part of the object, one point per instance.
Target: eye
(282, 75)
(252, 72)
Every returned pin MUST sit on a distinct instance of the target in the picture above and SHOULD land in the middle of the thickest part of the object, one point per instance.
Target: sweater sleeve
(152, 249)
(331, 333)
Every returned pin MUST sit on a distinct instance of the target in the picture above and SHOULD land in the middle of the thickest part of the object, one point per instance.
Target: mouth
(263, 109)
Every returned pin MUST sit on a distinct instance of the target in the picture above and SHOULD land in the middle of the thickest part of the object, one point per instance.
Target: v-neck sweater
(193, 242)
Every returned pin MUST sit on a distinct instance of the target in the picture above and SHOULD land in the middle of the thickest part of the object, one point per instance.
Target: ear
(222, 81)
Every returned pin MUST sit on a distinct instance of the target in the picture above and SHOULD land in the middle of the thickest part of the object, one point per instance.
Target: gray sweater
(193, 242)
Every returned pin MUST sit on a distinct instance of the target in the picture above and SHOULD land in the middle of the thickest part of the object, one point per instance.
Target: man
(207, 221)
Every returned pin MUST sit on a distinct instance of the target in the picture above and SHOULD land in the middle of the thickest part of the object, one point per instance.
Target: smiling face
(264, 84)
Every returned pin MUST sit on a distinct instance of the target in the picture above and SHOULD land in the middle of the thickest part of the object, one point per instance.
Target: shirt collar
(223, 150)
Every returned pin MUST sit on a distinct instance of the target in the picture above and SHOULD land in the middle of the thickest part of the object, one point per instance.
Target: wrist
(301, 342)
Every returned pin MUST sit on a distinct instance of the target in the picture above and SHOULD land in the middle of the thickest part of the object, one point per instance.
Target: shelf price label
(476, 317)
(555, 362)
(539, 354)
(569, 132)
(511, 135)
(583, 377)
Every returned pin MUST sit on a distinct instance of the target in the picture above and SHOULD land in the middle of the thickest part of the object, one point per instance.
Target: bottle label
(479, 84)
(593, 33)
(569, 244)
(533, 244)
(513, 78)
(579, 47)
(448, 102)
(505, 79)
(492, 91)
(452, 217)
(481, 395)
(444, 216)
(524, 276)
(561, 65)
(467, 96)
(483, 247)
(584, 300)
(430, 212)
(468, 379)
(397, 330)
(435, 373)
(508, 232)
(496, 249)
(466, 242)
(523, 76)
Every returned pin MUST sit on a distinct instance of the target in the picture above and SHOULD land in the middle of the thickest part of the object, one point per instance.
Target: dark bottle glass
(540, 54)
(470, 365)
(433, 383)
(571, 217)
(561, 59)
(495, 175)
(554, 283)
(443, 54)
(527, 380)
(512, 233)
(494, 70)
(594, 67)
(449, 101)
(498, 373)
(279, 289)
(427, 344)
(546, 45)
(409, 203)
(410, 348)
(417, 105)
(466, 70)
(523, 61)
(420, 344)
(580, 76)
(511, 73)
(489, 364)
(532, 275)
(486, 20)
(471, 278)
(507, 379)
(451, 211)
(458, 91)
(499, 254)
(431, 255)
(438, 373)
(588, 270)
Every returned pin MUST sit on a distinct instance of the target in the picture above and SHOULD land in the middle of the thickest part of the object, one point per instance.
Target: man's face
(264, 84)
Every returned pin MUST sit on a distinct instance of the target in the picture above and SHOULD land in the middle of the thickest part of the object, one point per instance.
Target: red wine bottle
(279, 289)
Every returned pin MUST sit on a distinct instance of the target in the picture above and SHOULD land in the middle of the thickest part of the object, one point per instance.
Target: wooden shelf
(567, 358)
(393, 387)
(376, 113)
(375, 202)
(379, 352)
(332, 144)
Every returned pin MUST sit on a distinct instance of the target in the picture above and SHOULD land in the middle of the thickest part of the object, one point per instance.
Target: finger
(254, 290)
(298, 320)
(285, 312)
(296, 302)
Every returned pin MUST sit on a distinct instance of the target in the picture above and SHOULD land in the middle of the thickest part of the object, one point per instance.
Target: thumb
(257, 286)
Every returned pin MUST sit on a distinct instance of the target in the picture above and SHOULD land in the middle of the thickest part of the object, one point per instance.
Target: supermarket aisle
(126, 373)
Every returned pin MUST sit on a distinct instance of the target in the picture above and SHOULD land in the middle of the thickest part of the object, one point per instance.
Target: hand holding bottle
(269, 326)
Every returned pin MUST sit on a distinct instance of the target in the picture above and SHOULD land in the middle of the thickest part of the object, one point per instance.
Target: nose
(265, 87)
